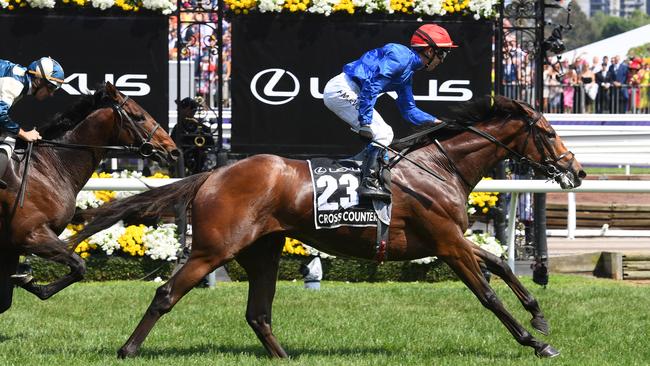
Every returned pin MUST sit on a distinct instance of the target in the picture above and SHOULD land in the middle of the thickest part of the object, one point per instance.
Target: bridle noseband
(146, 149)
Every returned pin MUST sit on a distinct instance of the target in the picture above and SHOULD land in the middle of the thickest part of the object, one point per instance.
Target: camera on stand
(193, 135)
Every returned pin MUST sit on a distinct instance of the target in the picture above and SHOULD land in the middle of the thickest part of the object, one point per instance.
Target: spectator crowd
(198, 45)
(602, 85)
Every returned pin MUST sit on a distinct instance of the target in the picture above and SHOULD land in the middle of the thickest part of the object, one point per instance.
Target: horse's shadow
(295, 353)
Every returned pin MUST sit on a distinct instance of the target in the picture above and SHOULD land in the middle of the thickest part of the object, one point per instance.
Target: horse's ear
(111, 90)
(525, 109)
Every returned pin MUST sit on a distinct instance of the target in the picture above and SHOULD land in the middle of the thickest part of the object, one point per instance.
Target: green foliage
(352, 270)
(642, 51)
(334, 269)
(105, 269)
(583, 31)
(589, 30)
(608, 25)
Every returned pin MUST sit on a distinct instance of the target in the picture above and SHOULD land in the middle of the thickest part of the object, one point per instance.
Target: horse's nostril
(582, 174)
(175, 154)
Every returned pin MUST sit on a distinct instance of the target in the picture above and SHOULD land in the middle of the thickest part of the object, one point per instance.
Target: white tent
(612, 46)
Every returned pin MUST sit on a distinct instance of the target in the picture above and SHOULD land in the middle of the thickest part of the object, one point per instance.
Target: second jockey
(352, 94)
(41, 79)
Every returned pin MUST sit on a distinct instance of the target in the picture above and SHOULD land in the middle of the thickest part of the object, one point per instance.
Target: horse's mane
(65, 121)
(460, 116)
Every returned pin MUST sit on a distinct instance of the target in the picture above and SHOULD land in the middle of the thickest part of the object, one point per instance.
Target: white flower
(270, 5)
(314, 251)
(323, 6)
(429, 7)
(41, 3)
(482, 8)
(161, 242)
(488, 243)
(107, 238)
(65, 234)
(425, 260)
(165, 6)
(3, 3)
(102, 4)
(87, 199)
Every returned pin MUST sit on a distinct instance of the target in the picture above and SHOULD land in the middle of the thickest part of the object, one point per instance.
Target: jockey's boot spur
(371, 185)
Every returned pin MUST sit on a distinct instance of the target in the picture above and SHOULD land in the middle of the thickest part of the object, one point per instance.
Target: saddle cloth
(336, 202)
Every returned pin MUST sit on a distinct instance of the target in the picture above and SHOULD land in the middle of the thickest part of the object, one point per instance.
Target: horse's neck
(472, 155)
(80, 163)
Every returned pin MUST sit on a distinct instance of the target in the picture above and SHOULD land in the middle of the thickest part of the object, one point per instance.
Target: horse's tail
(146, 205)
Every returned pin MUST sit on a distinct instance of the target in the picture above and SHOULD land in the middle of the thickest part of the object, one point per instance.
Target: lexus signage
(281, 64)
(128, 51)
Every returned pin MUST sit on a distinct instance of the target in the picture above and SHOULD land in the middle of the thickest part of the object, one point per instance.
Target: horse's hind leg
(200, 263)
(8, 265)
(261, 261)
(461, 259)
(500, 268)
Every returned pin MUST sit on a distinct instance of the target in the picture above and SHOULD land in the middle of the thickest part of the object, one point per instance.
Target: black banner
(281, 64)
(129, 51)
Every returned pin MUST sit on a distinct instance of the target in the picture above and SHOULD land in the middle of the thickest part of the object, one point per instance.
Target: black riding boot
(371, 186)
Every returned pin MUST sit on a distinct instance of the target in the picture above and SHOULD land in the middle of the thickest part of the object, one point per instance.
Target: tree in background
(600, 26)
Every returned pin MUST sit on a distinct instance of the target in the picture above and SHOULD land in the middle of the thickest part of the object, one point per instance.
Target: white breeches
(340, 96)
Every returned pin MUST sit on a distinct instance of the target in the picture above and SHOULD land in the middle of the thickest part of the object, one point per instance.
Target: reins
(51, 143)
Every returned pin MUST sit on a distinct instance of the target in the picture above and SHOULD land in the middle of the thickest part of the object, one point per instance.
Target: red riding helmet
(431, 35)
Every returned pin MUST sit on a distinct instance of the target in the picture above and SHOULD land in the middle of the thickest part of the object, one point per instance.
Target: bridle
(549, 163)
(146, 148)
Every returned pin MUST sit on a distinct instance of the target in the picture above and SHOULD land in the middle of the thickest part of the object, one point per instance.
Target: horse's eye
(550, 134)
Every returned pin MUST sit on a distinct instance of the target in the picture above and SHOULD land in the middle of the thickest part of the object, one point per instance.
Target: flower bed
(132, 251)
(476, 8)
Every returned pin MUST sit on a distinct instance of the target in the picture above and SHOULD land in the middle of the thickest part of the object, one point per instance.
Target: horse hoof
(21, 279)
(122, 353)
(540, 324)
(547, 352)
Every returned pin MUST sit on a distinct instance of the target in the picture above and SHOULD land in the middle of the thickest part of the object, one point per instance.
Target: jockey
(352, 94)
(40, 79)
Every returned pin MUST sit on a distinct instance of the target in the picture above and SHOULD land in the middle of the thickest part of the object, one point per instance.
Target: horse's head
(544, 148)
(137, 127)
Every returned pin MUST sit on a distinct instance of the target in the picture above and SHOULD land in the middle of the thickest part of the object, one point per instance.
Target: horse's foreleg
(261, 261)
(8, 265)
(53, 249)
(167, 295)
(499, 267)
(465, 265)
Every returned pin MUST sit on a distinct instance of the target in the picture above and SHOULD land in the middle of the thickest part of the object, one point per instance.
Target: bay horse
(243, 211)
(59, 170)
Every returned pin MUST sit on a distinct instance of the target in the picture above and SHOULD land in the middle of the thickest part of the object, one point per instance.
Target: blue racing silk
(389, 68)
(14, 84)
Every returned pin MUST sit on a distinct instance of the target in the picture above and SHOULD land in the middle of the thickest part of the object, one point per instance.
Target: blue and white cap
(48, 69)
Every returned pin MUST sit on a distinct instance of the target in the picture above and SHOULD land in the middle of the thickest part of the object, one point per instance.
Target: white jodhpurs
(8, 144)
(340, 96)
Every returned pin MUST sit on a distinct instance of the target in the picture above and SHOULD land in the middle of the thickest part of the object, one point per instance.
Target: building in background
(620, 8)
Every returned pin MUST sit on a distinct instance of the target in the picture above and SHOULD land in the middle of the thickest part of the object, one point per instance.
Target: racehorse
(59, 169)
(243, 212)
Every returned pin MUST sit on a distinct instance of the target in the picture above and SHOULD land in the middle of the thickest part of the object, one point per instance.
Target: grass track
(593, 322)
